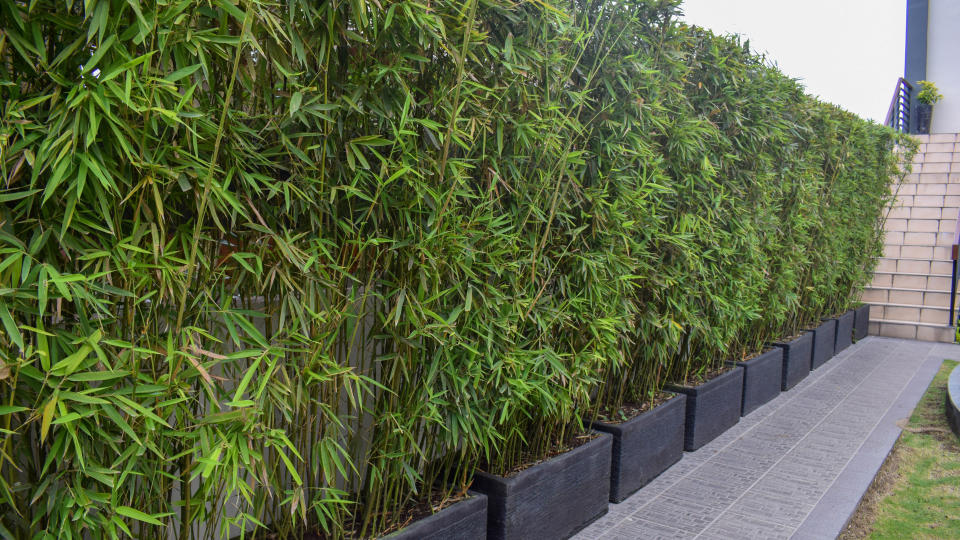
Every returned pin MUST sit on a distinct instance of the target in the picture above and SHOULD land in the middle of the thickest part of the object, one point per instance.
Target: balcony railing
(898, 115)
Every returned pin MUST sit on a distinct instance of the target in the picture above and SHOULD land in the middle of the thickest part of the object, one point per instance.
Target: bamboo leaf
(133, 513)
(47, 417)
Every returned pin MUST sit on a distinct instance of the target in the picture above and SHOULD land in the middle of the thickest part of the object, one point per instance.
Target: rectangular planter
(554, 499)
(844, 331)
(797, 355)
(466, 519)
(712, 408)
(762, 377)
(645, 446)
(861, 322)
(824, 338)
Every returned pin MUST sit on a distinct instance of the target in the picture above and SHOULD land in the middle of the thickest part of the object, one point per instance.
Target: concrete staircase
(910, 294)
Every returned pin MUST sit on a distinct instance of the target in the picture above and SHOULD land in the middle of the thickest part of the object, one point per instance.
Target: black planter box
(712, 408)
(924, 118)
(762, 377)
(645, 446)
(844, 331)
(466, 520)
(824, 339)
(797, 356)
(861, 322)
(554, 499)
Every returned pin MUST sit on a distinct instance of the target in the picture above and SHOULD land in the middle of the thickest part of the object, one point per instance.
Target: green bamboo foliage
(305, 266)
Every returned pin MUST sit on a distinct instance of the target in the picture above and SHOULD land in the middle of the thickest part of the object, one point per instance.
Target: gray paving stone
(637, 529)
(692, 514)
(764, 504)
(736, 479)
(794, 466)
(741, 526)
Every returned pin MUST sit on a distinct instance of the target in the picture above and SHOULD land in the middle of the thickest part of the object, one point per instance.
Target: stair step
(906, 297)
(927, 178)
(918, 199)
(948, 276)
(912, 323)
(905, 280)
(919, 259)
(920, 225)
(913, 306)
(911, 238)
(928, 252)
(910, 313)
(907, 289)
(912, 330)
(914, 266)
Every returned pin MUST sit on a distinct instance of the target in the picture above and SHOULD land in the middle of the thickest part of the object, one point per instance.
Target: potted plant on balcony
(927, 97)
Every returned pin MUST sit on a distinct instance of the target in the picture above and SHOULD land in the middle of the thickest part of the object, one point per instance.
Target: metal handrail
(954, 255)
(898, 115)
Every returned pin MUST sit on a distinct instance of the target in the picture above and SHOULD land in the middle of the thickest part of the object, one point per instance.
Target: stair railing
(954, 255)
(898, 115)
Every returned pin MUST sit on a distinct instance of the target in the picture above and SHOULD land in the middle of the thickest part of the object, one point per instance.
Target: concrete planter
(712, 408)
(796, 360)
(844, 337)
(554, 499)
(645, 446)
(824, 339)
(762, 377)
(861, 322)
(466, 519)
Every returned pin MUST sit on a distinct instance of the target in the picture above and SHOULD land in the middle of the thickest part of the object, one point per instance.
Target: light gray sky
(848, 52)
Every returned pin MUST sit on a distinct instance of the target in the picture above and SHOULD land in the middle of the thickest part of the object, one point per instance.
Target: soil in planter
(748, 357)
(706, 376)
(557, 448)
(789, 339)
(629, 411)
(411, 513)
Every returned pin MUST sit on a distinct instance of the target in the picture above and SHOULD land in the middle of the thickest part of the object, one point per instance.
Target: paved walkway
(796, 467)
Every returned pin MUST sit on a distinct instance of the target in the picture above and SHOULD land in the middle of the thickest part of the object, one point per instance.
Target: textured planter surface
(824, 338)
(465, 520)
(861, 322)
(554, 499)
(844, 331)
(924, 118)
(797, 355)
(762, 378)
(712, 408)
(645, 446)
(953, 400)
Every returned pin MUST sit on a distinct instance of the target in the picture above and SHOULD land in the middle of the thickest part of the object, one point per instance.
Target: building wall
(943, 63)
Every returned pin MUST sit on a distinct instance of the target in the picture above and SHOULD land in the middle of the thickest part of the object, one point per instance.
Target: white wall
(848, 52)
(943, 63)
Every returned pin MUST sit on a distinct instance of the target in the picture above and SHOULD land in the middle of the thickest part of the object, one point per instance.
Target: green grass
(924, 500)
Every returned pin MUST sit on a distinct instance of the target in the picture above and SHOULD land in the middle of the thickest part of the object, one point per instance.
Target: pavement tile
(741, 526)
(687, 515)
(637, 529)
(763, 504)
